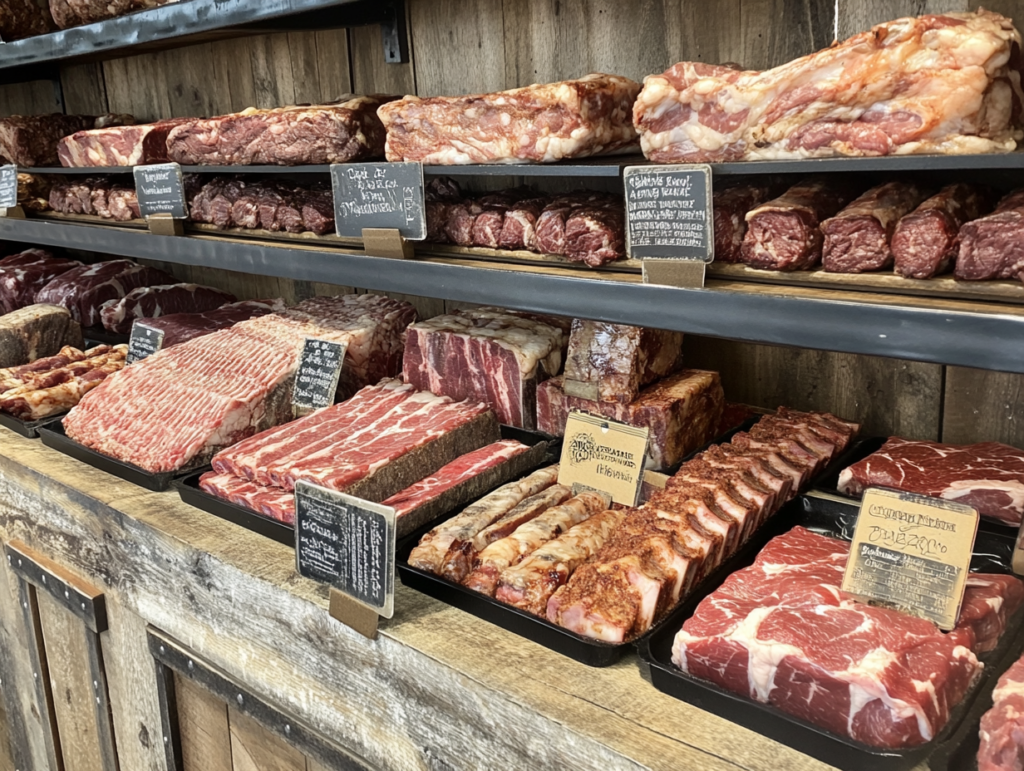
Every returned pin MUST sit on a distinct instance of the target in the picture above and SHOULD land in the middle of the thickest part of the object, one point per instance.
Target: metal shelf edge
(985, 340)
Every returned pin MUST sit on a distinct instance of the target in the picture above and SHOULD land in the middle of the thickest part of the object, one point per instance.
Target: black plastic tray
(104, 336)
(835, 518)
(190, 491)
(27, 428)
(53, 436)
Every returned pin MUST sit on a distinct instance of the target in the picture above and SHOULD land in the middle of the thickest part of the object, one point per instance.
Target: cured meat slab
(487, 354)
(32, 140)
(780, 633)
(730, 206)
(988, 476)
(180, 406)
(1002, 727)
(857, 238)
(682, 411)
(101, 196)
(283, 136)
(35, 332)
(117, 145)
(925, 242)
(84, 290)
(993, 246)
(271, 502)
(946, 84)
(537, 124)
(182, 327)
(612, 362)
(151, 301)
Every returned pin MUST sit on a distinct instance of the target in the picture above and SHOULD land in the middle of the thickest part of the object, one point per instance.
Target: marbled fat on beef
(539, 123)
(182, 327)
(730, 206)
(23, 275)
(117, 145)
(993, 246)
(32, 140)
(945, 84)
(487, 354)
(284, 136)
(988, 476)
(84, 290)
(1002, 727)
(151, 301)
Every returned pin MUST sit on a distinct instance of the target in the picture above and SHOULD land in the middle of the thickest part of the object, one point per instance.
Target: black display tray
(830, 516)
(53, 436)
(103, 336)
(190, 491)
(27, 428)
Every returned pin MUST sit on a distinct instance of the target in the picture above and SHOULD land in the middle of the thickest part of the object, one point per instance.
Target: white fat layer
(1012, 487)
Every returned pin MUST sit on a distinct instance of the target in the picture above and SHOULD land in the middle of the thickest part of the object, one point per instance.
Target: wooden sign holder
(386, 242)
(165, 225)
(685, 274)
(15, 213)
(353, 614)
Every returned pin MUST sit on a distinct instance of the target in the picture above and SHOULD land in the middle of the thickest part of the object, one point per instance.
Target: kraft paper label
(603, 455)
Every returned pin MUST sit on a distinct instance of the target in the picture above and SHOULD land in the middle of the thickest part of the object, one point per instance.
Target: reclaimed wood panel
(370, 73)
(983, 406)
(37, 97)
(859, 15)
(85, 92)
(202, 727)
(888, 396)
(459, 46)
(71, 682)
(6, 758)
(253, 748)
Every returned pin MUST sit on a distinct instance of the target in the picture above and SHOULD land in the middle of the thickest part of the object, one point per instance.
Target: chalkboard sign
(669, 213)
(348, 543)
(317, 378)
(8, 186)
(379, 195)
(912, 553)
(144, 341)
(160, 190)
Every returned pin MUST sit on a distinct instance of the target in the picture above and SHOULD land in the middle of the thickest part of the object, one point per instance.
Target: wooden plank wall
(463, 46)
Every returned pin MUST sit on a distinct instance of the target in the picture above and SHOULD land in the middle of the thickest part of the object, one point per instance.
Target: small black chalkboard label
(160, 190)
(348, 543)
(144, 341)
(8, 186)
(319, 370)
(669, 213)
(379, 195)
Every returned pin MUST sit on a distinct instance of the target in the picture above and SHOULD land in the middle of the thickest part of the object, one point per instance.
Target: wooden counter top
(438, 689)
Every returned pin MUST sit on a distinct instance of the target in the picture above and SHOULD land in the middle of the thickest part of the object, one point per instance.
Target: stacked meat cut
(180, 406)
(55, 384)
(85, 289)
(22, 275)
(231, 202)
(182, 327)
(539, 123)
(108, 197)
(32, 140)
(149, 302)
(587, 227)
(375, 445)
(117, 145)
(988, 476)
(946, 83)
(1002, 727)
(782, 633)
(491, 355)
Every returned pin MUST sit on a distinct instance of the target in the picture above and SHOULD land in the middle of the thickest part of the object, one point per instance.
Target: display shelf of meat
(587, 650)
(177, 24)
(837, 519)
(542, 447)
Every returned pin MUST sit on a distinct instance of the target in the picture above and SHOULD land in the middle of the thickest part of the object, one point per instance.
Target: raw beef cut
(182, 327)
(51, 391)
(857, 238)
(35, 332)
(151, 301)
(117, 145)
(730, 206)
(20, 281)
(518, 231)
(946, 84)
(539, 123)
(596, 235)
(682, 412)
(779, 632)
(1002, 727)
(276, 206)
(24, 18)
(180, 406)
(784, 234)
(487, 354)
(488, 223)
(375, 445)
(105, 197)
(988, 476)
(32, 140)
(284, 136)
(925, 242)
(460, 481)
(72, 13)
(84, 290)
(987, 607)
(612, 362)
(993, 246)
(271, 502)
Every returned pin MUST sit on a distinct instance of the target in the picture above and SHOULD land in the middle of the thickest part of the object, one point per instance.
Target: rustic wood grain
(254, 748)
(370, 73)
(203, 728)
(333, 72)
(459, 45)
(888, 396)
(37, 97)
(859, 15)
(85, 92)
(982, 406)
(71, 681)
